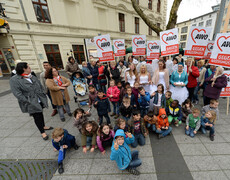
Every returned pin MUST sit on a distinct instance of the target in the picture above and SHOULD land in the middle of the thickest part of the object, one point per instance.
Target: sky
(192, 8)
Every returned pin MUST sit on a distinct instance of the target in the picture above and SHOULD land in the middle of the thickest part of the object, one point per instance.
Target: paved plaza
(174, 157)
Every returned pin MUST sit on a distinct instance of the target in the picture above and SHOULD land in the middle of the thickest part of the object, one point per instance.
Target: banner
(138, 45)
(119, 47)
(208, 50)
(226, 91)
(153, 50)
(221, 52)
(104, 48)
(169, 42)
(197, 41)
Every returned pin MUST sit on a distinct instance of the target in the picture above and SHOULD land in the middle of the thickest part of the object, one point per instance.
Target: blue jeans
(88, 141)
(152, 126)
(139, 139)
(164, 132)
(61, 112)
(135, 162)
(106, 117)
(190, 132)
(195, 95)
(144, 111)
(115, 107)
(125, 118)
(204, 128)
(61, 155)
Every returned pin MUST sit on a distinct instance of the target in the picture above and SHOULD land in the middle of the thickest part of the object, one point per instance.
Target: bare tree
(172, 17)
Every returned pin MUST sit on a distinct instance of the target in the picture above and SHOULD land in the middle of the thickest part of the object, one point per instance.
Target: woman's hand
(61, 87)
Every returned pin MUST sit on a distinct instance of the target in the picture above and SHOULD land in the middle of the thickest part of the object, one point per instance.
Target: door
(53, 55)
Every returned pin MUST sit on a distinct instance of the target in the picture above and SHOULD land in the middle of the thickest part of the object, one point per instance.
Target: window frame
(150, 32)
(158, 6)
(137, 25)
(53, 54)
(121, 22)
(150, 4)
(77, 54)
(39, 3)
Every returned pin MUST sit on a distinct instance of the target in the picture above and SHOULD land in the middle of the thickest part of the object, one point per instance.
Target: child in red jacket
(113, 94)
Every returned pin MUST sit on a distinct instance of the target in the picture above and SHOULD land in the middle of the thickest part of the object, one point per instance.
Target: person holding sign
(179, 79)
(215, 84)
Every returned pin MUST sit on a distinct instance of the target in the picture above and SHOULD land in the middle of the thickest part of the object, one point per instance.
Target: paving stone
(209, 175)
(193, 149)
(205, 138)
(36, 141)
(23, 133)
(27, 152)
(6, 132)
(69, 177)
(13, 141)
(47, 153)
(147, 165)
(227, 173)
(225, 136)
(223, 161)
(144, 151)
(7, 152)
(218, 148)
(186, 139)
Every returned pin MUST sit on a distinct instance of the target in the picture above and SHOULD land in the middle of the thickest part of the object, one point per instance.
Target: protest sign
(119, 47)
(169, 42)
(104, 48)
(153, 50)
(208, 50)
(221, 52)
(197, 41)
(138, 45)
(226, 91)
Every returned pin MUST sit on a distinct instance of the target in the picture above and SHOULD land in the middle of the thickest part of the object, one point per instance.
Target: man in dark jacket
(93, 68)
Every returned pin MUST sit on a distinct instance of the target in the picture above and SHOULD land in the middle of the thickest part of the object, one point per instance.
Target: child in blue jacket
(144, 101)
(120, 152)
(61, 141)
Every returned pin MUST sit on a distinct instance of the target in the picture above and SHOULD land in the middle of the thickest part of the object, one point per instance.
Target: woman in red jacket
(193, 74)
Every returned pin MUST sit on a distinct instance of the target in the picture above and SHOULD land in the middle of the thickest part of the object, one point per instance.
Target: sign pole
(227, 105)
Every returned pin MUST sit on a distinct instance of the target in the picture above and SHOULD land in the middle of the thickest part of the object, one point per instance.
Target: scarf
(58, 80)
(26, 75)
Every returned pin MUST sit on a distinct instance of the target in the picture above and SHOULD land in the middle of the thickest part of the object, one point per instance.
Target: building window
(201, 24)
(41, 11)
(229, 22)
(137, 25)
(79, 54)
(210, 15)
(183, 44)
(53, 55)
(159, 25)
(184, 29)
(158, 6)
(183, 37)
(201, 18)
(194, 20)
(208, 22)
(194, 25)
(121, 22)
(150, 31)
(150, 4)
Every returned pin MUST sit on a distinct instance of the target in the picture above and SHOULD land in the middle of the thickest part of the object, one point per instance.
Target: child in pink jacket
(113, 94)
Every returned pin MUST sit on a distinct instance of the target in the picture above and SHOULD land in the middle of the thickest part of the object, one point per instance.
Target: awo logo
(118, 44)
(138, 41)
(102, 44)
(210, 46)
(152, 46)
(223, 43)
(168, 37)
(198, 34)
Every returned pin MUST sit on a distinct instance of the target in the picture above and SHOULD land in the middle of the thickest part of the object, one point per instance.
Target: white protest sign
(208, 50)
(104, 48)
(169, 42)
(153, 50)
(138, 45)
(221, 50)
(119, 47)
(197, 41)
(226, 91)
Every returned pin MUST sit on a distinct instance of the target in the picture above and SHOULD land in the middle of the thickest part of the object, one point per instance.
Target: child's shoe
(63, 119)
(117, 115)
(212, 137)
(160, 136)
(134, 171)
(76, 147)
(177, 123)
(60, 168)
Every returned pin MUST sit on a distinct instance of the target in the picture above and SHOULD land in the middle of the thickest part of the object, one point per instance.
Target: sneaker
(113, 114)
(60, 168)
(76, 147)
(70, 114)
(133, 171)
(63, 119)
(54, 112)
(176, 124)
(117, 115)
(160, 136)
(212, 137)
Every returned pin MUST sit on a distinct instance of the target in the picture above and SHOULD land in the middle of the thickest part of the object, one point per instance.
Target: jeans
(191, 93)
(190, 132)
(195, 95)
(171, 118)
(88, 141)
(106, 117)
(164, 132)
(49, 96)
(144, 111)
(103, 88)
(139, 139)
(135, 162)
(212, 130)
(61, 112)
(115, 107)
(152, 126)
(125, 118)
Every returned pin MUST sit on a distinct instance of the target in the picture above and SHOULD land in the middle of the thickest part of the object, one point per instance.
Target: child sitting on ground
(121, 124)
(151, 121)
(186, 109)
(207, 123)
(143, 100)
(169, 99)
(174, 113)
(213, 106)
(120, 152)
(103, 107)
(126, 109)
(92, 94)
(62, 141)
(163, 128)
(113, 94)
(138, 129)
(88, 137)
(130, 95)
(80, 116)
(193, 123)
(159, 98)
(105, 137)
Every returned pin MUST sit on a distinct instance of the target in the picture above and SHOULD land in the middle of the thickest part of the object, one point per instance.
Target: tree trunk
(173, 14)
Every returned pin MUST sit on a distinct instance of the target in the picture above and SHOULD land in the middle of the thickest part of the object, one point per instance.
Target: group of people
(143, 101)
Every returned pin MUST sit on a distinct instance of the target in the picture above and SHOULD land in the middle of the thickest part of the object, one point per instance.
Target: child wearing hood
(163, 128)
(120, 152)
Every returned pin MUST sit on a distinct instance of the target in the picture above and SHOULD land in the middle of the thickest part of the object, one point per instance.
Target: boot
(134, 171)
(54, 112)
(212, 137)
(76, 147)
(60, 168)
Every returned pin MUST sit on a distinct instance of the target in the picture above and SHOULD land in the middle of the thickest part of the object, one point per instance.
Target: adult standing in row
(58, 89)
(101, 77)
(31, 96)
(71, 66)
(122, 69)
(93, 68)
(144, 78)
(131, 74)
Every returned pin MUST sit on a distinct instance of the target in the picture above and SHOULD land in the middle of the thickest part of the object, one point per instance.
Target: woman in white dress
(131, 74)
(179, 80)
(144, 78)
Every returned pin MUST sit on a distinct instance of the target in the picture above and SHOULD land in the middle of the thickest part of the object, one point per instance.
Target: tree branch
(145, 18)
(173, 14)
